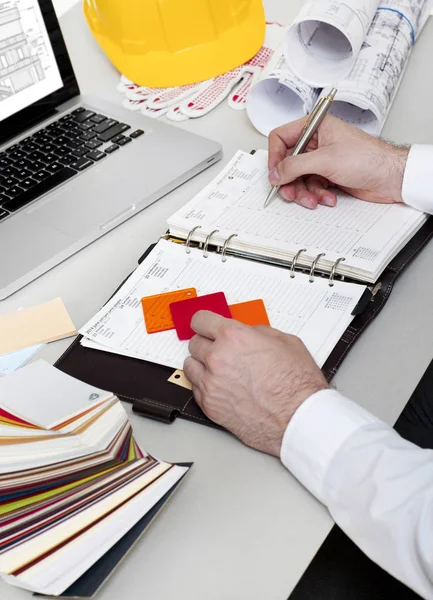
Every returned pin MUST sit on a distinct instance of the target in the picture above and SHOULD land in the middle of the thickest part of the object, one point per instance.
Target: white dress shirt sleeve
(377, 486)
(417, 183)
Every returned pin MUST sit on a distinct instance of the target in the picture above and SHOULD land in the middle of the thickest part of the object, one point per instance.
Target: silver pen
(311, 126)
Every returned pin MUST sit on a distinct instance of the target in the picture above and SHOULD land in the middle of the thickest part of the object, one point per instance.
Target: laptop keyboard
(56, 153)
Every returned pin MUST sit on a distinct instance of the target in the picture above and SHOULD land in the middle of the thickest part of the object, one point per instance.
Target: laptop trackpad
(83, 203)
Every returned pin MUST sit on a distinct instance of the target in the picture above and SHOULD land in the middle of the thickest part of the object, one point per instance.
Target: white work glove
(191, 101)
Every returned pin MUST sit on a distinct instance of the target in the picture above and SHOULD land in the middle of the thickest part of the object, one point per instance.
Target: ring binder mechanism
(206, 242)
(188, 239)
(226, 243)
(334, 268)
(224, 249)
(295, 260)
(313, 266)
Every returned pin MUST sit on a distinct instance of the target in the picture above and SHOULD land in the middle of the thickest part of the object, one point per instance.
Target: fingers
(281, 139)
(288, 192)
(207, 324)
(318, 162)
(199, 348)
(309, 192)
(277, 149)
(194, 371)
(299, 193)
(318, 186)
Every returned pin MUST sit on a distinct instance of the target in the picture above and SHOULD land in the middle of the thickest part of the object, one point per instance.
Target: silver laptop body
(47, 230)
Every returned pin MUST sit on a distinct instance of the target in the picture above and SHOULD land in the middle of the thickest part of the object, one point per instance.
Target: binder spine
(294, 267)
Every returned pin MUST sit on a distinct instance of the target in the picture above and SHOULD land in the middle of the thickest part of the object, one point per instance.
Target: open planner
(322, 275)
(355, 239)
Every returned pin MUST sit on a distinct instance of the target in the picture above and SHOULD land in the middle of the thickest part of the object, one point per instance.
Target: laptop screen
(35, 71)
(28, 67)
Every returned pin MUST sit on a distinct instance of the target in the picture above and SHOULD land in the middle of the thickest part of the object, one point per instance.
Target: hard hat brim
(230, 50)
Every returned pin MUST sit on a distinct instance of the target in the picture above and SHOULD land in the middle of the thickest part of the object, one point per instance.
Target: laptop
(71, 168)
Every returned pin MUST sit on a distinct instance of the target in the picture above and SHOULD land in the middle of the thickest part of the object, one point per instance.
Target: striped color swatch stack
(73, 480)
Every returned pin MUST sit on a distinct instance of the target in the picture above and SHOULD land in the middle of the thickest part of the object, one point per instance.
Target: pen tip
(274, 190)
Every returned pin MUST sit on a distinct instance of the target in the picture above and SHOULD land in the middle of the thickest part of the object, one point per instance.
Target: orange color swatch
(156, 309)
(250, 313)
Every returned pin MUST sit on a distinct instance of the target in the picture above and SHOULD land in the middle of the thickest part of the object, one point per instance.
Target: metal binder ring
(206, 242)
(313, 266)
(334, 268)
(188, 239)
(226, 243)
(295, 260)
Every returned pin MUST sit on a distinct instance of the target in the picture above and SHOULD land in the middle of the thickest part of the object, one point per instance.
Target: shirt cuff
(416, 189)
(316, 432)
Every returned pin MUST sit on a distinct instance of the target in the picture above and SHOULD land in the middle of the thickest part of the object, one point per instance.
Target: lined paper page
(315, 312)
(365, 234)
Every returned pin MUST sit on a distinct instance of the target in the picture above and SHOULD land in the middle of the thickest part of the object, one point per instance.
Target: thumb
(317, 162)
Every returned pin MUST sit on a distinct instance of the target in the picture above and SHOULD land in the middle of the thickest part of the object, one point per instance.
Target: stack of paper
(35, 325)
(73, 481)
(25, 331)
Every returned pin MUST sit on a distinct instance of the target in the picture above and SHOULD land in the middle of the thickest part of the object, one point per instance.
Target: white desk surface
(240, 527)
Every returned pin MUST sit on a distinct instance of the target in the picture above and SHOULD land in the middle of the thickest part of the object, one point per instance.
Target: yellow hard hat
(164, 43)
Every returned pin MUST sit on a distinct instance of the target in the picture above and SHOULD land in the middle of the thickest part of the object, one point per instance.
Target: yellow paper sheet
(36, 325)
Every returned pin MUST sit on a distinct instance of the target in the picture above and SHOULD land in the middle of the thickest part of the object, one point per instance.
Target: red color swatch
(182, 312)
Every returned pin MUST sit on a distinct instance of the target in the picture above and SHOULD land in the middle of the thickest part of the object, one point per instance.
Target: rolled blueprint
(326, 37)
(366, 95)
(279, 96)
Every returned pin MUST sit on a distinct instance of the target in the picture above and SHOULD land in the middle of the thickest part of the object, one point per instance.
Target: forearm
(377, 487)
